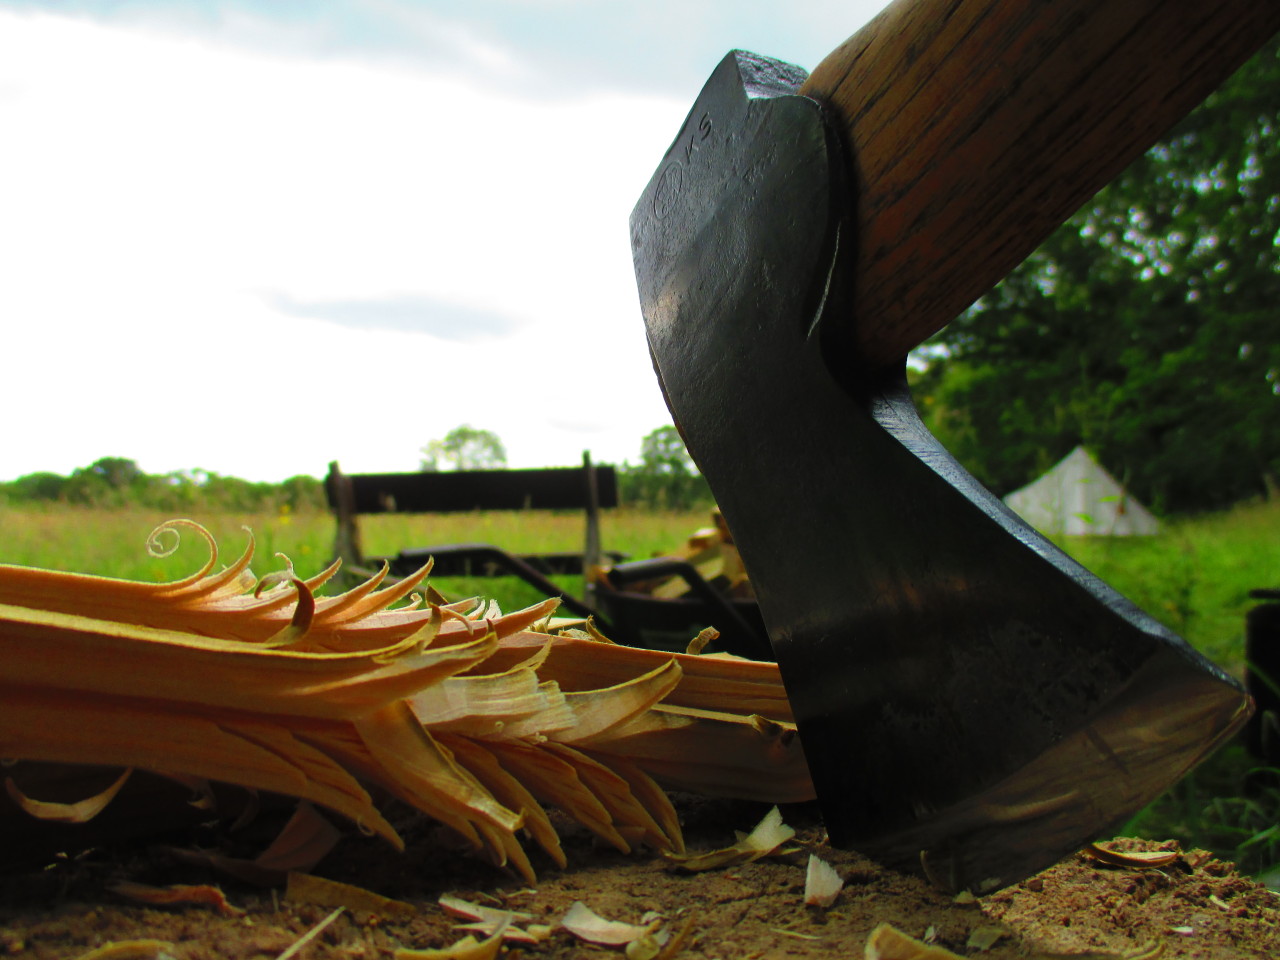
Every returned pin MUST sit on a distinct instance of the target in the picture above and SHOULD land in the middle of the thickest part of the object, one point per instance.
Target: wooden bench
(589, 488)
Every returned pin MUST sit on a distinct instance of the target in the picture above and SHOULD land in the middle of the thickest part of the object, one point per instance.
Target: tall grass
(113, 542)
(1195, 577)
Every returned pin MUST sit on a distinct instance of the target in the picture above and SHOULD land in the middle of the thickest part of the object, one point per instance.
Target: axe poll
(973, 704)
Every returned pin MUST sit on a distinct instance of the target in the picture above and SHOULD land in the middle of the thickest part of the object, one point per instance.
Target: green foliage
(666, 478)
(662, 451)
(116, 482)
(465, 448)
(1143, 328)
(36, 486)
(1196, 575)
(114, 472)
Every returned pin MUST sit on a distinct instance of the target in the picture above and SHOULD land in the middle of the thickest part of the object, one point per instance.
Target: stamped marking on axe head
(973, 704)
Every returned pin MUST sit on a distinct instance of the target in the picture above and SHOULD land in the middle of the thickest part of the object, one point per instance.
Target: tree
(663, 452)
(106, 481)
(465, 448)
(116, 472)
(116, 482)
(1144, 327)
(38, 486)
(666, 477)
(303, 492)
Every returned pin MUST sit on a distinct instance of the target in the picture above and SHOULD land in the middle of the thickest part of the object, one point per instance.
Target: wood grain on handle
(977, 127)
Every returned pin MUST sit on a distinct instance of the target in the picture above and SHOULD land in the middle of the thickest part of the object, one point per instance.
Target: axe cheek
(971, 702)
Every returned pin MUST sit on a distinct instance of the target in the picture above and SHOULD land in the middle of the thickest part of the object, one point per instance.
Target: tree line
(120, 482)
(664, 479)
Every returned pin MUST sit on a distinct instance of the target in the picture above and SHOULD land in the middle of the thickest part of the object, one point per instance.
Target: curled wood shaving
(822, 884)
(178, 893)
(461, 711)
(488, 920)
(985, 937)
(307, 888)
(700, 642)
(1133, 859)
(647, 946)
(80, 812)
(468, 948)
(303, 842)
(888, 943)
(458, 907)
(769, 834)
(677, 942)
(585, 924)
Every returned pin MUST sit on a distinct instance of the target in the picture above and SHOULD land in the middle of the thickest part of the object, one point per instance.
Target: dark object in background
(640, 619)
(1262, 675)
(589, 488)
(664, 602)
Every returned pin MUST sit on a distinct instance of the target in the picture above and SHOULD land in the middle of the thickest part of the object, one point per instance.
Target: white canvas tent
(1078, 497)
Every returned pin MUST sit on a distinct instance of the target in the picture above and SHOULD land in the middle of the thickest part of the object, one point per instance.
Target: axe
(972, 703)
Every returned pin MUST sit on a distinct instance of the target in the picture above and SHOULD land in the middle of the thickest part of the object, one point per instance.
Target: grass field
(113, 542)
(1195, 577)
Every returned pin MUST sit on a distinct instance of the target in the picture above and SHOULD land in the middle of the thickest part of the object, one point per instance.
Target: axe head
(972, 703)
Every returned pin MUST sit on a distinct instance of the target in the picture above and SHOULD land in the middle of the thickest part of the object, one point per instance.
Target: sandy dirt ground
(63, 906)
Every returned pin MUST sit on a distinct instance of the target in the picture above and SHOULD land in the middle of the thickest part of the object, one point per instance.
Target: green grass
(113, 542)
(1195, 577)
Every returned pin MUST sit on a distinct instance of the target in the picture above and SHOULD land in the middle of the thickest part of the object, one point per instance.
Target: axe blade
(972, 703)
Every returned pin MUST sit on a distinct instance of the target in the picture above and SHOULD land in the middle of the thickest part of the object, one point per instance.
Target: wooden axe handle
(977, 127)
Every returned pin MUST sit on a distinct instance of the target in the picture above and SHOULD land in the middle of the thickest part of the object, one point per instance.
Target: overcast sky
(253, 237)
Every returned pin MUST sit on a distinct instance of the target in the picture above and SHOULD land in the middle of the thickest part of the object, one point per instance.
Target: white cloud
(154, 186)
(429, 30)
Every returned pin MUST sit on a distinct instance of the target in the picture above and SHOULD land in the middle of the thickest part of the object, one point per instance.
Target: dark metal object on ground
(643, 620)
(621, 615)
(589, 488)
(486, 560)
(1262, 675)
(973, 704)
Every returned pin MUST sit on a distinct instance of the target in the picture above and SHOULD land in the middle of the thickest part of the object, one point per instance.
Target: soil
(1196, 907)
